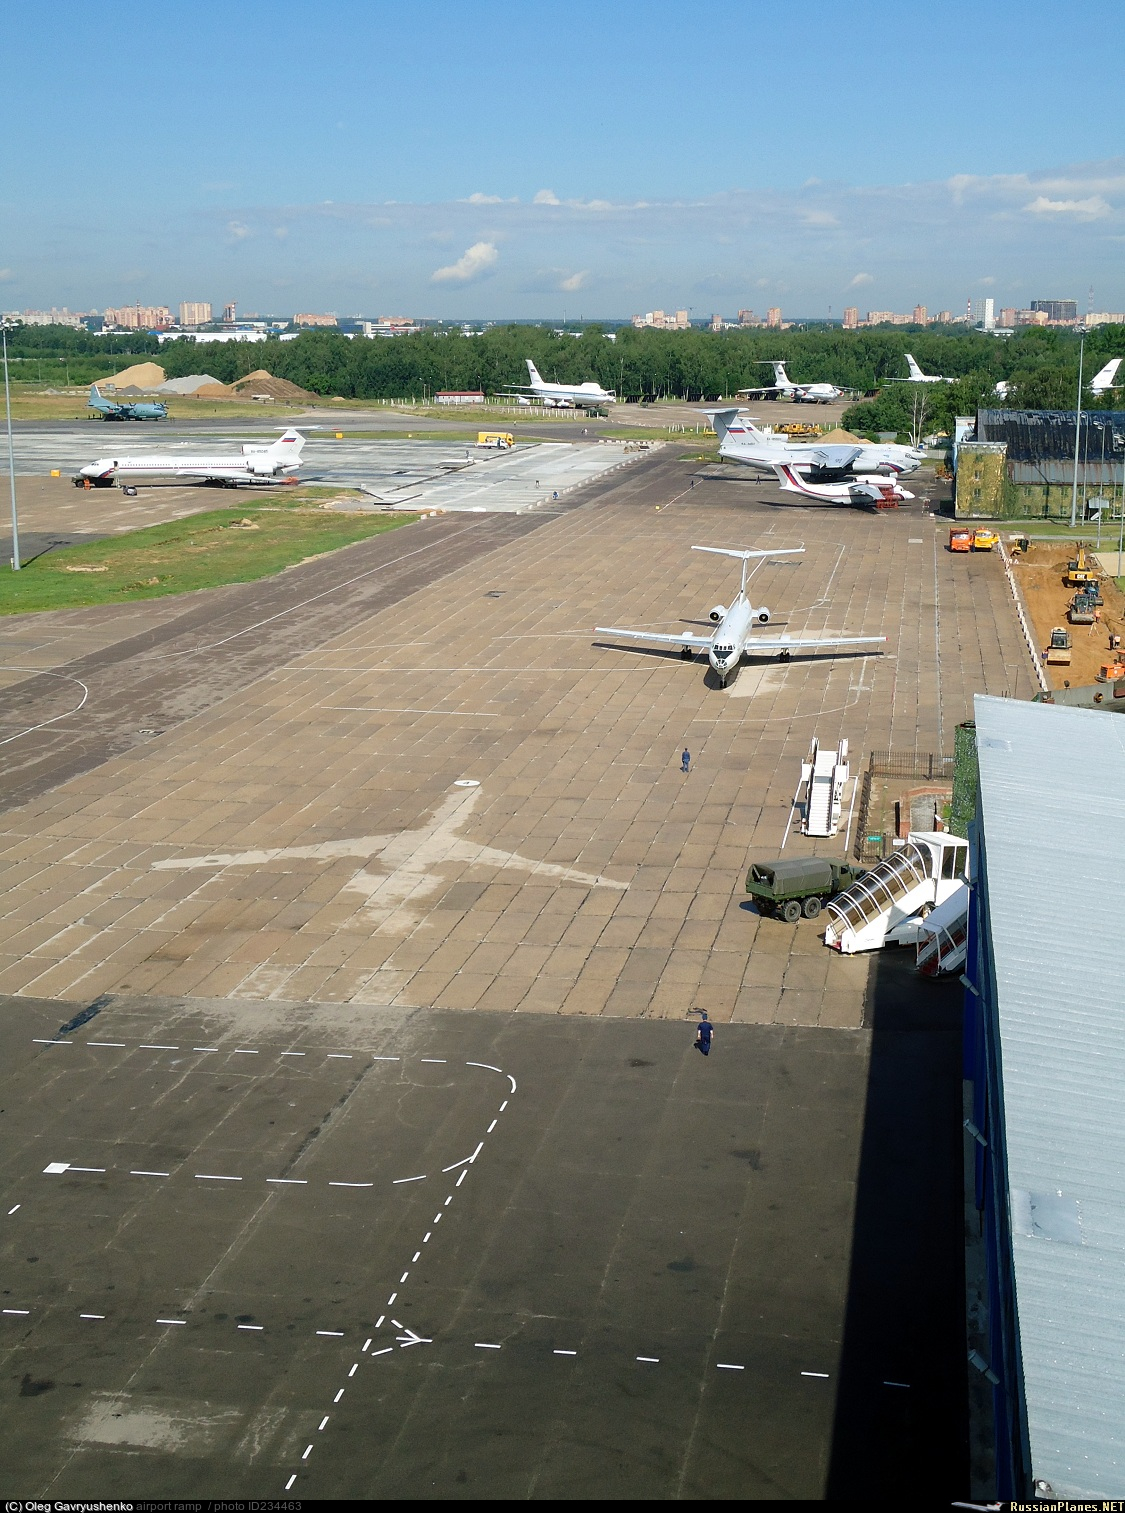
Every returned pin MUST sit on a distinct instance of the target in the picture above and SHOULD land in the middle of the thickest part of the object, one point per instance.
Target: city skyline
(497, 171)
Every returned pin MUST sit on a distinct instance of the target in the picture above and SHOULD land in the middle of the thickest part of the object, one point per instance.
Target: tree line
(1039, 365)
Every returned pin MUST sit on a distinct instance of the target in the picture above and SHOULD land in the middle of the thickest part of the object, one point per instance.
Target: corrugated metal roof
(1053, 804)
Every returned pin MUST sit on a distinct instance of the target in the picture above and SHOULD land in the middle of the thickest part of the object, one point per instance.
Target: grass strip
(203, 551)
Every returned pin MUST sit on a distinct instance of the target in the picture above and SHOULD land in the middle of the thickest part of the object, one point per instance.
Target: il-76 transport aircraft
(732, 638)
(255, 464)
(741, 441)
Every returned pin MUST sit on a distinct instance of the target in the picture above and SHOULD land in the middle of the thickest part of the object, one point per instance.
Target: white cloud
(575, 281)
(281, 232)
(819, 218)
(237, 231)
(859, 280)
(1093, 207)
(546, 197)
(472, 264)
(6, 275)
(485, 199)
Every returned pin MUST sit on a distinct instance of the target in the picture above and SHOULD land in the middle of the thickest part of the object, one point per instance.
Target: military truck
(795, 886)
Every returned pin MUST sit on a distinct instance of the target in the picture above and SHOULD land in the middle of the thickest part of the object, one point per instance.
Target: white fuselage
(254, 464)
(731, 634)
(757, 450)
(588, 396)
(866, 492)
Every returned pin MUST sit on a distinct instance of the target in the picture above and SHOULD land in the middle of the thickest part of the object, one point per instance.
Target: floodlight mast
(4, 328)
(1077, 433)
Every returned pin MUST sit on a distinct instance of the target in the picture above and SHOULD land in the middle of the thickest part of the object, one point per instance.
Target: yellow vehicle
(501, 440)
(1079, 572)
(797, 428)
(984, 539)
(1057, 653)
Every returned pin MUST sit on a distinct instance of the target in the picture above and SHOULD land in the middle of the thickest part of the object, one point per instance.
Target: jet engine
(717, 613)
(762, 615)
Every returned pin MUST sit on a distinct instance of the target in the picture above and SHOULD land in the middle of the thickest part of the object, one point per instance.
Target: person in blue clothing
(685, 760)
(704, 1034)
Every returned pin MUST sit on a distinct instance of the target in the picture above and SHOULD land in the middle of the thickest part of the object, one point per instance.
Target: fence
(926, 766)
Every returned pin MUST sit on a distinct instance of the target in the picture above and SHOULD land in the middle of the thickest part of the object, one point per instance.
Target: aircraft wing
(839, 457)
(795, 643)
(687, 639)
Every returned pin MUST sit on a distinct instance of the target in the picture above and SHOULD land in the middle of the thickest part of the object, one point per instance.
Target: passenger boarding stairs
(824, 774)
(944, 937)
(889, 904)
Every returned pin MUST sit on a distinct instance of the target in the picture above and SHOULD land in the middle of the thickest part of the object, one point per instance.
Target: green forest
(1040, 366)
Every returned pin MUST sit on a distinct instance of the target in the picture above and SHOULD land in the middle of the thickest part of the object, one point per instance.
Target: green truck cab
(800, 885)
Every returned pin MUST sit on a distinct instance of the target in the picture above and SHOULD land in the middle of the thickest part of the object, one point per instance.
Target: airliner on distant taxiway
(587, 396)
(255, 464)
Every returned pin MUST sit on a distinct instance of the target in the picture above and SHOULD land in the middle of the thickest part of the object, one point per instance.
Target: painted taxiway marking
(823, 1375)
(409, 1337)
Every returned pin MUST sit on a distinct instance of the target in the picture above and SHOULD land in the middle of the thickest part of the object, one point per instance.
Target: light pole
(1077, 432)
(11, 453)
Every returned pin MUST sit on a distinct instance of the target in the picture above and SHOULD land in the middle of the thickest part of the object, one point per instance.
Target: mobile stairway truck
(889, 905)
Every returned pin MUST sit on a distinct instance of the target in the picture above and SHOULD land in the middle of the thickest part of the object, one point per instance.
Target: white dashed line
(727, 1366)
(307, 1453)
(480, 1345)
(897, 1384)
(256, 1328)
(435, 1060)
(823, 1375)
(417, 1257)
(292, 1053)
(320, 1426)
(492, 1126)
(291, 1480)
(338, 1396)
(214, 1177)
(351, 1184)
(354, 1369)
(171, 1321)
(11, 1211)
(159, 1048)
(150, 1174)
(21, 1312)
(476, 1153)
(386, 1350)
(91, 1315)
(650, 1360)
(332, 1334)
(485, 1066)
(107, 1045)
(290, 1181)
(564, 1352)
(390, 1300)
(245, 1053)
(403, 1278)
(504, 1105)
(462, 1177)
(52, 1042)
(386, 1058)
(398, 1181)
(205, 1049)
(367, 1346)
(339, 1056)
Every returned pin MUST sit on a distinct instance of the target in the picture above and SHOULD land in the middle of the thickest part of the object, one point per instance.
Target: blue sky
(442, 159)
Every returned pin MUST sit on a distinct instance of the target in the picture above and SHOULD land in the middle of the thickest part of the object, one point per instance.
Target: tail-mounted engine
(762, 615)
(717, 613)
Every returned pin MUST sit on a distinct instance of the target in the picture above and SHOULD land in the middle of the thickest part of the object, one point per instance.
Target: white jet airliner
(587, 396)
(783, 387)
(741, 441)
(867, 493)
(917, 376)
(733, 637)
(255, 464)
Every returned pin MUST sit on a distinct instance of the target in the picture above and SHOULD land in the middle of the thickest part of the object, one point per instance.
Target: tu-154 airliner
(275, 463)
(733, 636)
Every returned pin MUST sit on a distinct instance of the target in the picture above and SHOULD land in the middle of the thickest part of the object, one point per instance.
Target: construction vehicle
(797, 428)
(501, 440)
(1111, 672)
(961, 539)
(888, 906)
(1079, 571)
(824, 773)
(984, 539)
(799, 885)
(1057, 653)
(1083, 609)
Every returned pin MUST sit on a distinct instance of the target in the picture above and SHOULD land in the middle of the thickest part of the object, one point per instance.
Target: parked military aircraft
(733, 637)
(110, 409)
(255, 464)
(741, 441)
(868, 493)
(917, 376)
(586, 396)
(783, 387)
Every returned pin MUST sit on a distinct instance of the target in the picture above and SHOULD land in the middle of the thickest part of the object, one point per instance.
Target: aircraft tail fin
(533, 372)
(289, 444)
(780, 377)
(1104, 379)
(725, 421)
(912, 367)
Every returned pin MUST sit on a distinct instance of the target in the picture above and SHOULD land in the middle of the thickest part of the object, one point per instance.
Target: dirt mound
(143, 377)
(261, 382)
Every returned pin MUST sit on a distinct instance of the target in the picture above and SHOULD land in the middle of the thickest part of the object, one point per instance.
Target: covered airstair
(824, 773)
(887, 906)
(944, 936)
